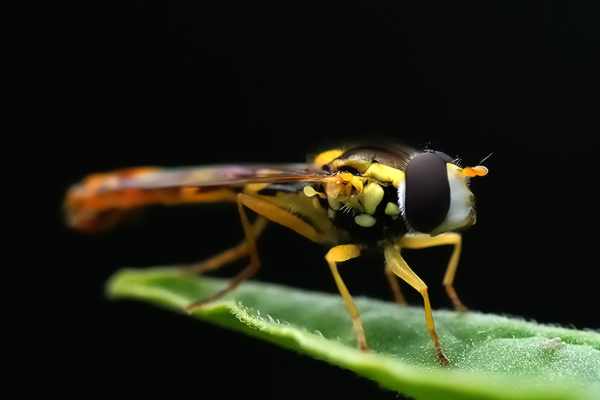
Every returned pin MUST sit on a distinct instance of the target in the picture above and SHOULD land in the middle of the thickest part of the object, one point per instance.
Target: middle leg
(394, 286)
(335, 255)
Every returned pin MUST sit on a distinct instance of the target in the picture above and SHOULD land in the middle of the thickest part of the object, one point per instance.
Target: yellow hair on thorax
(385, 173)
(326, 157)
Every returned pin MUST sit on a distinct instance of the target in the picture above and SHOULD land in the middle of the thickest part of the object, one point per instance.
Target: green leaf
(492, 357)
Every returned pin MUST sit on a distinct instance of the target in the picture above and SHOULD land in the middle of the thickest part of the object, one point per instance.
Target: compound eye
(427, 192)
(445, 157)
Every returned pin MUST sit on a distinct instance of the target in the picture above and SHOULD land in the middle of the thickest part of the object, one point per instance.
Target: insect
(349, 199)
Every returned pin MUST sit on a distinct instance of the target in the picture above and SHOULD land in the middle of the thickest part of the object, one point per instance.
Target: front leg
(421, 241)
(399, 267)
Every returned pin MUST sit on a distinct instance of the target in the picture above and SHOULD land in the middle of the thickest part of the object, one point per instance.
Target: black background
(199, 83)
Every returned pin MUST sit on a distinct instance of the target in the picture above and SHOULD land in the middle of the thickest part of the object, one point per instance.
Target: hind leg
(228, 256)
(248, 272)
(271, 212)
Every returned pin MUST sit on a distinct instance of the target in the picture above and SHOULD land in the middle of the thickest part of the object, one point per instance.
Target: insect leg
(401, 269)
(451, 238)
(247, 272)
(271, 212)
(396, 291)
(340, 254)
(230, 255)
(280, 216)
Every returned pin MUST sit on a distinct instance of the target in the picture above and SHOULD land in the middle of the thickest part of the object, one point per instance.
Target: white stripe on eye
(459, 213)
(402, 198)
(402, 204)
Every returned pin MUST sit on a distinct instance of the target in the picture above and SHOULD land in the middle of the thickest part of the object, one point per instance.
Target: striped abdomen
(102, 200)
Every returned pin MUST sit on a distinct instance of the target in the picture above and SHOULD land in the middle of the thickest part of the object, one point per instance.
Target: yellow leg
(271, 212)
(396, 291)
(228, 256)
(278, 215)
(247, 272)
(399, 267)
(451, 238)
(340, 254)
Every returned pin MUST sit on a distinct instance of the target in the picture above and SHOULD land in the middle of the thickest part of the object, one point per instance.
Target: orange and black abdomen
(103, 200)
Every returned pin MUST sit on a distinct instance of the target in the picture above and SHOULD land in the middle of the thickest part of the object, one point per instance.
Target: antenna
(485, 158)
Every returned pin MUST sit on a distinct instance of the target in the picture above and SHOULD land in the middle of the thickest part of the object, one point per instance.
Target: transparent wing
(102, 200)
(229, 175)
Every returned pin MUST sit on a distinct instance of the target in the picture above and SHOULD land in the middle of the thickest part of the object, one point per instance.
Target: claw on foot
(196, 305)
(442, 358)
(461, 308)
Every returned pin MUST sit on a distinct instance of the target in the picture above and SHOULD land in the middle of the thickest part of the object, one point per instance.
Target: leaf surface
(492, 357)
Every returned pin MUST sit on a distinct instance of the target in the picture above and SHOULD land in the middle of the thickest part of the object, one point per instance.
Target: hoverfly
(390, 198)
